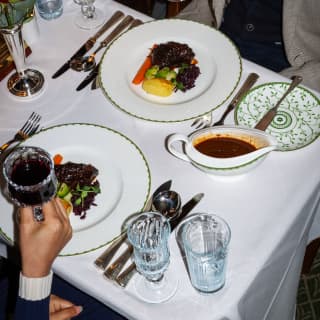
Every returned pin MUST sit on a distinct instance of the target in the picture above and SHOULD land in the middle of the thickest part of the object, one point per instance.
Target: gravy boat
(263, 142)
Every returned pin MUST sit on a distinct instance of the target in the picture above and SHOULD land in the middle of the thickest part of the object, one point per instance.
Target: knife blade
(92, 76)
(104, 259)
(89, 43)
(268, 117)
(125, 276)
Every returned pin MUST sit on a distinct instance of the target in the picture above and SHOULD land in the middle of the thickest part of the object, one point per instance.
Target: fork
(207, 121)
(28, 129)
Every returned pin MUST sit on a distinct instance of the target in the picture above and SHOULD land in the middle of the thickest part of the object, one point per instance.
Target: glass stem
(14, 41)
(88, 9)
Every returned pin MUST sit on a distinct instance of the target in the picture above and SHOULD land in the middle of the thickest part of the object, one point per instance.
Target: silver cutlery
(125, 276)
(91, 59)
(29, 128)
(206, 120)
(268, 117)
(104, 259)
(166, 202)
(89, 43)
(87, 63)
(93, 76)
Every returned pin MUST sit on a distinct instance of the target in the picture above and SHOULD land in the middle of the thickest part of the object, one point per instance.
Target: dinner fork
(207, 121)
(28, 129)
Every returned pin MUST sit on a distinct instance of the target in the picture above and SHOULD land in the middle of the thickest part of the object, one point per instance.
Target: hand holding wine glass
(90, 17)
(30, 177)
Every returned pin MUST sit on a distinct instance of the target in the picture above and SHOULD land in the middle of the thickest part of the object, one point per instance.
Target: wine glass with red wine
(30, 177)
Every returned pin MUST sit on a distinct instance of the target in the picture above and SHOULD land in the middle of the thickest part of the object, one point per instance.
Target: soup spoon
(168, 203)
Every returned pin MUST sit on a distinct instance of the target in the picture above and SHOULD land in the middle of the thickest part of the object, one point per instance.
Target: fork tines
(31, 125)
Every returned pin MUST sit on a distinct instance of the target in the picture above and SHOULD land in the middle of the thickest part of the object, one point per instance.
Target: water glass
(205, 238)
(149, 234)
(49, 9)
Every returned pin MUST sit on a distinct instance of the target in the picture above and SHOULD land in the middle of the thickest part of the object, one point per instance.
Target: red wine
(32, 183)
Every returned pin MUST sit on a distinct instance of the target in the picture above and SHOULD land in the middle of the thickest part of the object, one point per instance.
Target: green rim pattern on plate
(297, 122)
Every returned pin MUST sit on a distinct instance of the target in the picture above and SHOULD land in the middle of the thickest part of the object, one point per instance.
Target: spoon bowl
(168, 203)
(86, 63)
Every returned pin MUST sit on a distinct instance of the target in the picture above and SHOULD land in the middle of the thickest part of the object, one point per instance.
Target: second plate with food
(297, 122)
(124, 178)
(218, 59)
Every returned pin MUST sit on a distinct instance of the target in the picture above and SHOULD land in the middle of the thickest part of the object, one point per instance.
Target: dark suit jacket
(32, 310)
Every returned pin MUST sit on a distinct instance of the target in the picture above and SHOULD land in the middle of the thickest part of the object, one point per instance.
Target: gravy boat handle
(174, 138)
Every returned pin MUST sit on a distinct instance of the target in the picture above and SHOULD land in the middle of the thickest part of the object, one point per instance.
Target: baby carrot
(147, 63)
(57, 159)
(138, 78)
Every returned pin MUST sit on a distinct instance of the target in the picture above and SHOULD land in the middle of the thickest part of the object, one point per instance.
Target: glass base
(28, 86)
(156, 292)
(90, 23)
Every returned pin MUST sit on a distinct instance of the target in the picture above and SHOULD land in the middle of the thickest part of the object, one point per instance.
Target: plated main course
(168, 67)
(77, 185)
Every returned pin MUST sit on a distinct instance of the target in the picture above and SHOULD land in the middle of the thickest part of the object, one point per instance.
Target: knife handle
(268, 117)
(115, 268)
(103, 260)
(115, 18)
(124, 278)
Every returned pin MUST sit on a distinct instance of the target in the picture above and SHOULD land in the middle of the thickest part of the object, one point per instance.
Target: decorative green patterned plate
(297, 122)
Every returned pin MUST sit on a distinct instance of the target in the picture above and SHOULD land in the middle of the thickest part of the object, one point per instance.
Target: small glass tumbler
(205, 239)
(49, 9)
(149, 234)
(30, 177)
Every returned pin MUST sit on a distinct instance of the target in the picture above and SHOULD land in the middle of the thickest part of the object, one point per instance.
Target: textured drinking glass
(49, 9)
(30, 177)
(90, 17)
(149, 234)
(205, 238)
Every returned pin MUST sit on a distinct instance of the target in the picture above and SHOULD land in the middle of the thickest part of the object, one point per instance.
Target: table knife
(92, 76)
(268, 117)
(89, 43)
(128, 273)
(104, 259)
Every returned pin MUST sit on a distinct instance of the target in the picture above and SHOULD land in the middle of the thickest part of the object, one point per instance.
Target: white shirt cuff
(35, 288)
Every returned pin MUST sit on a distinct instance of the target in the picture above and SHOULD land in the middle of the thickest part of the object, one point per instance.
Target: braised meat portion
(171, 54)
(73, 174)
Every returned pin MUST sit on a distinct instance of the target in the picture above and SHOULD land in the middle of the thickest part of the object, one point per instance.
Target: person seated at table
(40, 243)
(282, 35)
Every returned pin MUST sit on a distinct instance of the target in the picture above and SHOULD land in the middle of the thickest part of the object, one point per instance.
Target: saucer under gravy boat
(223, 150)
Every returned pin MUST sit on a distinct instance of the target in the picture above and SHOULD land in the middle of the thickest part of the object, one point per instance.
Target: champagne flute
(30, 177)
(90, 17)
(25, 82)
(149, 234)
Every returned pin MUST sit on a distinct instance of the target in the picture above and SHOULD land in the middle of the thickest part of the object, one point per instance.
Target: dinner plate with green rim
(297, 122)
(124, 184)
(218, 59)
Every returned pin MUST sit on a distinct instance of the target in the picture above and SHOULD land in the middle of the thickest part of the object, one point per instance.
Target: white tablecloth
(270, 209)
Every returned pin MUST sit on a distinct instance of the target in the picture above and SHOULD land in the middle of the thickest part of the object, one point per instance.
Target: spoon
(168, 203)
(85, 63)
